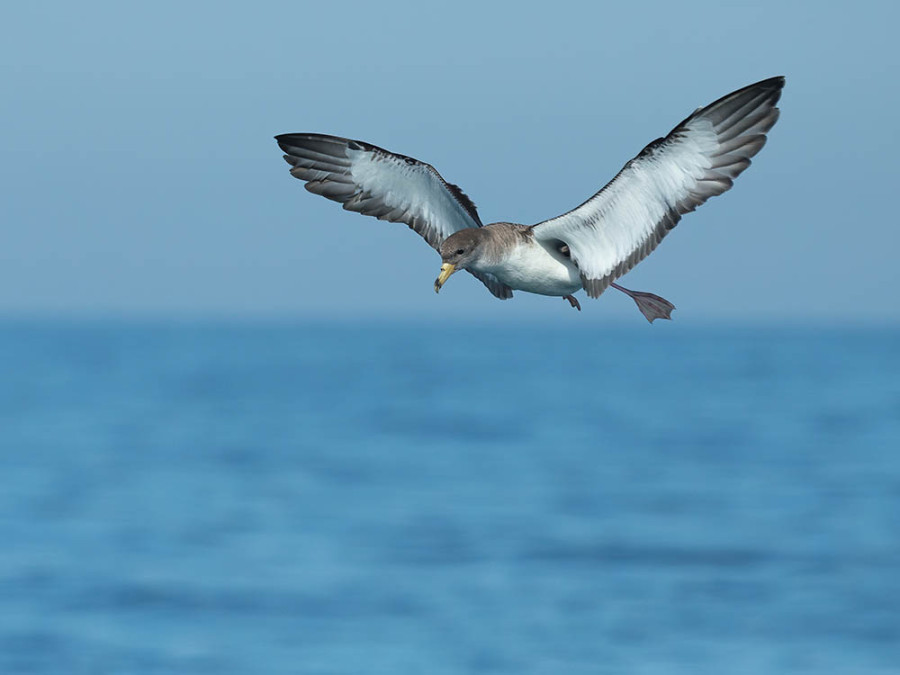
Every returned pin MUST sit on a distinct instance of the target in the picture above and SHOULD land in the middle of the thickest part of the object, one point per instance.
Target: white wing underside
(622, 223)
(375, 182)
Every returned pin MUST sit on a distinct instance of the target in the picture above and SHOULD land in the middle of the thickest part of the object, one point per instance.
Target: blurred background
(223, 453)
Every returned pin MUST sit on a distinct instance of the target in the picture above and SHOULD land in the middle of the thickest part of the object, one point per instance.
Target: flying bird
(590, 246)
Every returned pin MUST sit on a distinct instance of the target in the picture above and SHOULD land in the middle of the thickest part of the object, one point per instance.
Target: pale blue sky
(140, 176)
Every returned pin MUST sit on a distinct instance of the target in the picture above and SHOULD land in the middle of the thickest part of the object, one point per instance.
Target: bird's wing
(376, 182)
(620, 225)
(493, 284)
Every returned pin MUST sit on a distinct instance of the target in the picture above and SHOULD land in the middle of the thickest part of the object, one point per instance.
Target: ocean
(412, 497)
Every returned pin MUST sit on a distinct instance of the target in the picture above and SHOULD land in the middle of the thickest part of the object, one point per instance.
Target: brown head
(458, 251)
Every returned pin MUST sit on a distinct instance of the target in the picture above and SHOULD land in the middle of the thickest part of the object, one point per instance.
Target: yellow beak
(446, 270)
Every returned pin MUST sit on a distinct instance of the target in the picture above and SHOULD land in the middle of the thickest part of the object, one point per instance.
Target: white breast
(531, 267)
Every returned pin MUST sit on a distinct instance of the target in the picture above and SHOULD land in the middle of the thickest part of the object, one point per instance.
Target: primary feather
(376, 182)
(700, 158)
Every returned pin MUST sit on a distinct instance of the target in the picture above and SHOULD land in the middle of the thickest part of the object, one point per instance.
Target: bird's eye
(460, 251)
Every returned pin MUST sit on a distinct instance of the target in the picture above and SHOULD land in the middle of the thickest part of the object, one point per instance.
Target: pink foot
(572, 301)
(651, 306)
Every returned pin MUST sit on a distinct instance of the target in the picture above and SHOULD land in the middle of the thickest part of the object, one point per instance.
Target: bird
(588, 247)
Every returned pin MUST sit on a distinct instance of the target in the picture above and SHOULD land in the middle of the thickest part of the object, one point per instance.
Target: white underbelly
(530, 267)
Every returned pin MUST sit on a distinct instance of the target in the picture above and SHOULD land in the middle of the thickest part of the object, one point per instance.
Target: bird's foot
(573, 301)
(651, 306)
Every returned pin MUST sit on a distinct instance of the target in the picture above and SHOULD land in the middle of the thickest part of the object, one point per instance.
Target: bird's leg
(572, 301)
(651, 306)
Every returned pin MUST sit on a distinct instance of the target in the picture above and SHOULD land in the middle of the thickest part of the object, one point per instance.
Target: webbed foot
(573, 301)
(651, 306)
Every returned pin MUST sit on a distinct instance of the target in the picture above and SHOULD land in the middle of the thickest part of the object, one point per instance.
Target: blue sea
(418, 497)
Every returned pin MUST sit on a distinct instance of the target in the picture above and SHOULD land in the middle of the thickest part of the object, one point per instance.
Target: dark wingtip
(773, 84)
(776, 82)
(281, 139)
(285, 141)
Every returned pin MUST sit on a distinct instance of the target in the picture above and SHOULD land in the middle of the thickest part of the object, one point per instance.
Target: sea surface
(376, 497)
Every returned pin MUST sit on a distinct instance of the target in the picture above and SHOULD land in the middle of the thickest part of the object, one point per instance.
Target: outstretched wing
(388, 186)
(620, 225)
(376, 182)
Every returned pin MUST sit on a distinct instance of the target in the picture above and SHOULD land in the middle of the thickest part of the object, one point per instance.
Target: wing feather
(700, 158)
(388, 186)
(375, 182)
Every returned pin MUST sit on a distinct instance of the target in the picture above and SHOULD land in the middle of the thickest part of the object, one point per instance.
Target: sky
(140, 177)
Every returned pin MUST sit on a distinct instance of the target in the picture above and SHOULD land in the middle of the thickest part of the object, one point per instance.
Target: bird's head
(458, 251)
